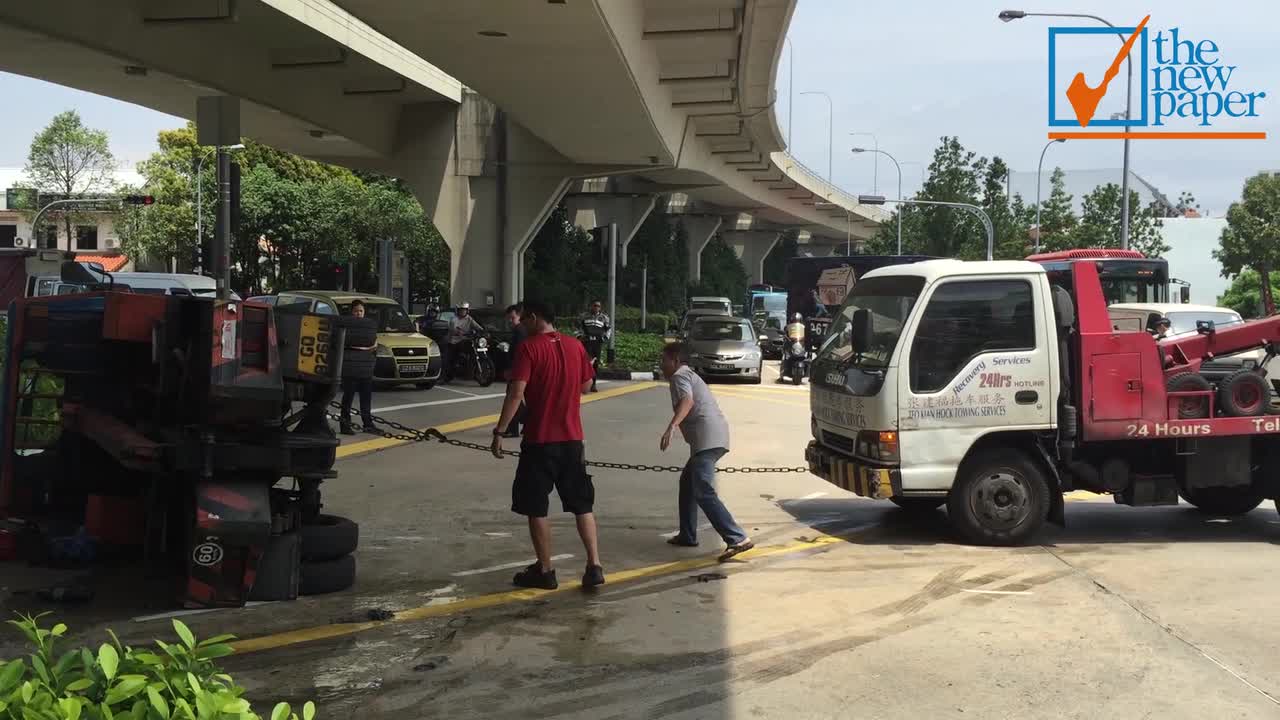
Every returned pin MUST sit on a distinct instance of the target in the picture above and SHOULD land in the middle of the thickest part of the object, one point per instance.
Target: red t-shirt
(554, 366)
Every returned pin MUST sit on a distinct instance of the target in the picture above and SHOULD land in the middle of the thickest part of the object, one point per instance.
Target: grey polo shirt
(705, 427)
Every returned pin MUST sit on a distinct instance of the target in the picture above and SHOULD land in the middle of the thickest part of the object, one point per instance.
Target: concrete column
(629, 211)
(487, 184)
(752, 247)
(699, 229)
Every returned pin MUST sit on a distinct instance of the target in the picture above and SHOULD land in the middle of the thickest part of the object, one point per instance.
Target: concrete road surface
(847, 609)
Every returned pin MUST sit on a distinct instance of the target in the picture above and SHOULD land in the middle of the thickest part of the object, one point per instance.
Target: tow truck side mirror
(1205, 327)
(860, 330)
(1184, 295)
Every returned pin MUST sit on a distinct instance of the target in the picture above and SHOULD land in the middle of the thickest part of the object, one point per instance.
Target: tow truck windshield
(889, 300)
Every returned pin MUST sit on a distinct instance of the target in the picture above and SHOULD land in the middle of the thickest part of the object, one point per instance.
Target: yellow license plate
(313, 345)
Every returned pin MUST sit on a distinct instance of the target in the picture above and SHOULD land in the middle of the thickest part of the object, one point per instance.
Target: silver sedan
(725, 347)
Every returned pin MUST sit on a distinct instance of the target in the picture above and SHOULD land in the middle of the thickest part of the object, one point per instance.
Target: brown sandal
(734, 550)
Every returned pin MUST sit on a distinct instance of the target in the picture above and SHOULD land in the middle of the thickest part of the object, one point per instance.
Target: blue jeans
(698, 491)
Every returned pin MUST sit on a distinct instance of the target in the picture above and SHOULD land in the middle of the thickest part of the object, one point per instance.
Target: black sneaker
(371, 429)
(346, 429)
(593, 577)
(533, 577)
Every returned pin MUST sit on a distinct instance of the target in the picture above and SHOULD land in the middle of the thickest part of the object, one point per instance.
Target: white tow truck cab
(975, 385)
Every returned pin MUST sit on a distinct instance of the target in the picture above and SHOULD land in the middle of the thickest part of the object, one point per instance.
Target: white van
(140, 282)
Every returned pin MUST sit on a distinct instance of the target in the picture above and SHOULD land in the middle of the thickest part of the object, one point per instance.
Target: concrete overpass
(492, 111)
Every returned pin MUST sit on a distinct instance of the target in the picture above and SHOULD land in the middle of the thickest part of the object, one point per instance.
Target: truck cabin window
(967, 319)
(889, 300)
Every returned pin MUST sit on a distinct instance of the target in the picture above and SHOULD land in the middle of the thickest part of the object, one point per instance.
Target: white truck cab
(954, 352)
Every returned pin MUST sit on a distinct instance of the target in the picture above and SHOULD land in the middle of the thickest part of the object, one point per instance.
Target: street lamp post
(1010, 16)
(982, 214)
(878, 151)
(875, 168)
(830, 116)
(848, 225)
(1039, 169)
(200, 193)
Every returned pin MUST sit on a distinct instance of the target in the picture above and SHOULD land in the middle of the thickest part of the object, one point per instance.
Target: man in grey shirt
(705, 429)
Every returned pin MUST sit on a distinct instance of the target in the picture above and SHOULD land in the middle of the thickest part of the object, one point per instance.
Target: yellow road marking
(801, 390)
(424, 612)
(763, 398)
(368, 446)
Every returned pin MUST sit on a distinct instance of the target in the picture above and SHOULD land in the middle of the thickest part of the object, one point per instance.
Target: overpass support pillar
(487, 184)
(629, 211)
(752, 247)
(698, 230)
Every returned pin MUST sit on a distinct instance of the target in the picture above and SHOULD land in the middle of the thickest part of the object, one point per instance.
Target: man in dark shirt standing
(549, 374)
(518, 334)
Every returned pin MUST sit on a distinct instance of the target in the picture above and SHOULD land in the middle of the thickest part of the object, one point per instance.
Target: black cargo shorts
(560, 465)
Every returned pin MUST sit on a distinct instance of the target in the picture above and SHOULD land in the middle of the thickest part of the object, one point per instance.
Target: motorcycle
(471, 360)
(795, 362)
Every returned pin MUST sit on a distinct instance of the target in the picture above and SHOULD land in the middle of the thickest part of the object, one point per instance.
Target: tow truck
(994, 388)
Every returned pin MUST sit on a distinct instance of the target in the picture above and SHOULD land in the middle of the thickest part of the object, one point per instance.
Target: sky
(909, 73)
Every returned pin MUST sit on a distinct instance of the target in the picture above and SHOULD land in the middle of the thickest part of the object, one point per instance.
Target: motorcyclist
(596, 331)
(461, 328)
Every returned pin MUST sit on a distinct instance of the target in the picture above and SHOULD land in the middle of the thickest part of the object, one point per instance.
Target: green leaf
(309, 711)
(147, 658)
(105, 709)
(11, 674)
(108, 660)
(158, 703)
(215, 640)
(185, 633)
(212, 652)
(59, 630)
(27, 691)
(70, 708)
(78, 685)
(115, 639)
(41, 670)
(64, 663)
(281, 711)
(237, 705)
(125, 689)
(194, 683)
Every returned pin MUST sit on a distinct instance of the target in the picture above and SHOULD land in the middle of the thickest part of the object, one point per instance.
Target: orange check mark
(1084, 99)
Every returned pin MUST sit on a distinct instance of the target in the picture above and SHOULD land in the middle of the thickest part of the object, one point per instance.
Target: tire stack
(314, 559)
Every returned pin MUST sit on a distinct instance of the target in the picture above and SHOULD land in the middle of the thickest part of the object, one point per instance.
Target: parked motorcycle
(795, 362)
(471, 360)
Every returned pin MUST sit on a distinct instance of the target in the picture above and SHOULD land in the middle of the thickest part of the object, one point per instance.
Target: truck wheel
(277, 577)
(1190, 408)
(329, 537)
(1224, 500)
(1244, 394)
(999, 498)
(918, 504)
(326, 576)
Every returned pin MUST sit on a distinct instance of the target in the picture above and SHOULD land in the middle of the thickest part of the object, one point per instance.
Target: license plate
(721, 366)
(413, 368)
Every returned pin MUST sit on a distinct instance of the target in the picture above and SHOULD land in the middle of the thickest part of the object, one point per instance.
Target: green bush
(179, 682)
(628, 320)
(637, 352)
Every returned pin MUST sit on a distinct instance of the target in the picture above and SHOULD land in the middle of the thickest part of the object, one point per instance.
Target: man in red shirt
(549, 374)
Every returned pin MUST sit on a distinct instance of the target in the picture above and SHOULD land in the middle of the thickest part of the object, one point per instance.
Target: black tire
(796, 378)
(918, 504)
(278, 576)
(484, 372)
(1190, 408)
(1244, 393)
(1224, 500)
(328, 576)
(759, 378)
(329, 537)
(426, 385)
(1000, 497)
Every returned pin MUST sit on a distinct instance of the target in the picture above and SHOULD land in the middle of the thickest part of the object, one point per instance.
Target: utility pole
(613, 284)
(222, 238)
(644, 288)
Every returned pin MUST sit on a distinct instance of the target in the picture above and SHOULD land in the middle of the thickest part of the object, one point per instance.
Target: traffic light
(138, 200)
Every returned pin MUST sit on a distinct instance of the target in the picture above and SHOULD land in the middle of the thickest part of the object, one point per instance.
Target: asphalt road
(848, 608)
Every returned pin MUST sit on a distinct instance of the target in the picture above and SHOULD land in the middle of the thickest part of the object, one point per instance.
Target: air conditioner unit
(111, 244)
(19, 242)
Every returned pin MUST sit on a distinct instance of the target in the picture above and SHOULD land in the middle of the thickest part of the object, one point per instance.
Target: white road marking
(1219, 520)
(998, 592)
(505, 566)
(407, 538)
(498, 535)
(813, 495)
(455, 390)
(410, 406)
(183, 613)
(673, 533)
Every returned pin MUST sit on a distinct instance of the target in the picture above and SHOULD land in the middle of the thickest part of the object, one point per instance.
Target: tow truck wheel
(1224, 500)
(1193, 407)
(1000, 498)
(1244, 394)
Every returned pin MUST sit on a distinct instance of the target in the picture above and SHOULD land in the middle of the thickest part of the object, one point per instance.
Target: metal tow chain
(408, 434)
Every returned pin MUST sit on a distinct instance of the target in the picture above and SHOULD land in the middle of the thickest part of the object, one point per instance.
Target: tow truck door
(980, 358)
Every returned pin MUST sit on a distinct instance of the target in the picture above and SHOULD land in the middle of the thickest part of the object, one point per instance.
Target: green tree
(722, 271)
(1245, 294)
(1099, 225)
(955, 175)
(69, 159)
(775, 264)
(1251, 238)
(1057, 215)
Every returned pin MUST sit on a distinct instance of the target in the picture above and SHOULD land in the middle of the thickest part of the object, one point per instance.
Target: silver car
(723, 346)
